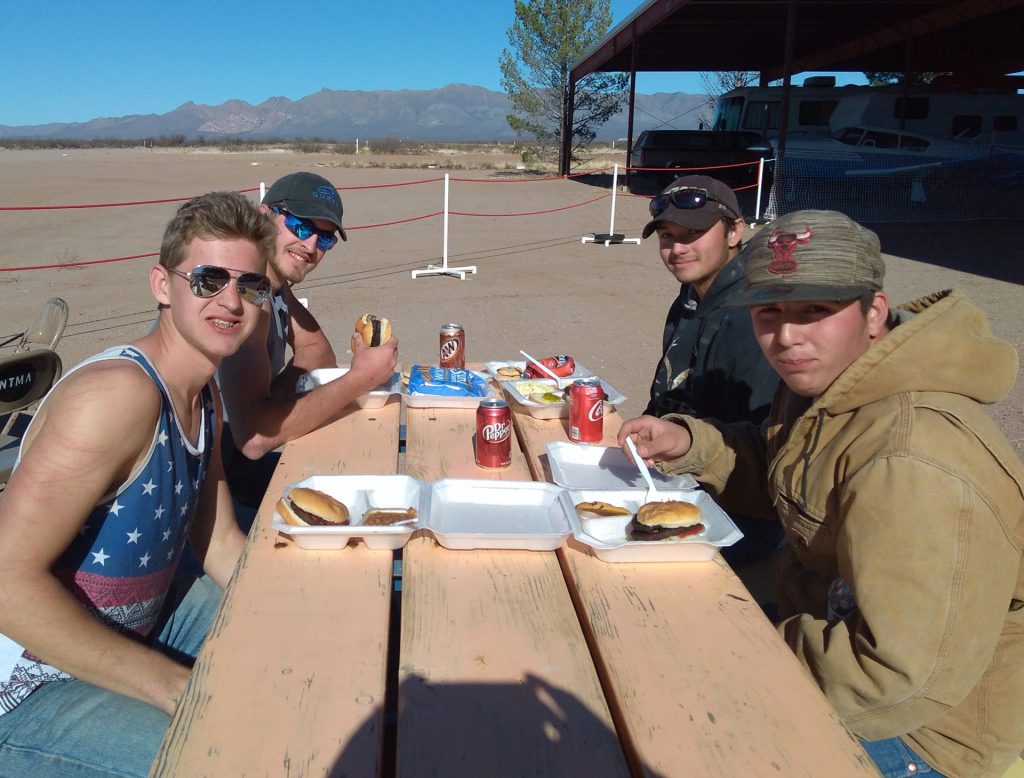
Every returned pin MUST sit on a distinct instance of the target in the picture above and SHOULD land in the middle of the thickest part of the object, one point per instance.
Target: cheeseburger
(670, 520)
(304, 507)
(374, 330)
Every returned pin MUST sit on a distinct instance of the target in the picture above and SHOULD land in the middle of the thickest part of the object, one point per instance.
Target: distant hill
(457, 112)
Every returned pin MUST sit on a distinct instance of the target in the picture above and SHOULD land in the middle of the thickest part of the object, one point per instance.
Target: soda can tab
(453, 346)
(586, 410)
(493, 434)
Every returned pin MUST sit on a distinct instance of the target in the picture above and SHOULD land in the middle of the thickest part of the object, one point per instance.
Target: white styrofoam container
(461, 513)
(492, 368)
(375, 398)
(527, 515)
(559, 410)
(586, 466)
(360, 493)
(606, 535)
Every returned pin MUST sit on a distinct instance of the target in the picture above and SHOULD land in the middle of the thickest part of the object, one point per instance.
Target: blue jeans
(73, 728)
(895, 759)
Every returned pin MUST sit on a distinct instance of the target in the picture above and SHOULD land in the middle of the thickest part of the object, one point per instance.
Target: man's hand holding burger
(372, 365)
(656, 440)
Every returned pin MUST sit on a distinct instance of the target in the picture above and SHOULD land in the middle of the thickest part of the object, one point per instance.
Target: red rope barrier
(76, 264)
(531, 213)
(707, 167)
(106, 205)
(386, 186)
(529, 180)
(400, 221)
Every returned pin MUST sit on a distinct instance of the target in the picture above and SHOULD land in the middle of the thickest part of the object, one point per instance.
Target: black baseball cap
(720, 202)
(308, 196)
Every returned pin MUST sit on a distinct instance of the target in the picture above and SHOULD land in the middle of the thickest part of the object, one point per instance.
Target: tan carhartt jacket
(903, 504)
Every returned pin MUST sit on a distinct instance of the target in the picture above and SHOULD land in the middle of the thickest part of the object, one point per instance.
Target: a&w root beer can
(453, 346)
(586, 410)
(493, 434)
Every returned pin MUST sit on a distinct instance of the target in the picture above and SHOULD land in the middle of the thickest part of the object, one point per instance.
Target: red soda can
(586, 410)
(453, 346)
(493, 433)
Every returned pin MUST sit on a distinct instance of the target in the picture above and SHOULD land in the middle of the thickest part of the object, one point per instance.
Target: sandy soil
(537, 287)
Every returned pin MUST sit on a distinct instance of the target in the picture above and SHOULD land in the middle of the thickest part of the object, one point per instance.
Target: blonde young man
(118, 471)
(902, 591)
(258, 382)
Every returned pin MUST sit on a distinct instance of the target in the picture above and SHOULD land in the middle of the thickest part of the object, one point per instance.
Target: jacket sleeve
(730, 461)
(925, 584)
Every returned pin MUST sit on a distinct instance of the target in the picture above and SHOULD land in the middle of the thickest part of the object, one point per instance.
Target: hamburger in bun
(302, 507)
(374, 330)
(670, 520)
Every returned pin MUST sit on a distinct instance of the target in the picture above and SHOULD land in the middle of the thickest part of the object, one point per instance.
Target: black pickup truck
(699, 152)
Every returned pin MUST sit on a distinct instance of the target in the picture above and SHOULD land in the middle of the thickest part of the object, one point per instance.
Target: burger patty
(637, 531)
(312, 518)
(376, 337)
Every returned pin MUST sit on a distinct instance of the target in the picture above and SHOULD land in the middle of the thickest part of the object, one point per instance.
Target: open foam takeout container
(521, 390)
(417, 400)
(583, 466)
(606, 535)
(375, 398)
(460, 513)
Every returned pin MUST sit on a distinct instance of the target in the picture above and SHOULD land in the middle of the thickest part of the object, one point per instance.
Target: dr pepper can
(586, 410)
(493, 434)
(453, 346)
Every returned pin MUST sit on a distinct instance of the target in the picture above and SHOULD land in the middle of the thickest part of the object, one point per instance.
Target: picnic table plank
(495, 674)
(696, 674)
(291, 678)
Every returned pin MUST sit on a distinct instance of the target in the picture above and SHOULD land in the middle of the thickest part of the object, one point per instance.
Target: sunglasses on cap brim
(686, 199)
(209, 281)
(303, 229)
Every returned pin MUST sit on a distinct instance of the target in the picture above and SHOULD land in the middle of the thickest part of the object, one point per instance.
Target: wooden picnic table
(501, 663)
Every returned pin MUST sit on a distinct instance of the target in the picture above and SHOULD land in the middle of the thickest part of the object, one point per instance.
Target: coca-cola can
(586, 410)
(493, 433)
(453, 346)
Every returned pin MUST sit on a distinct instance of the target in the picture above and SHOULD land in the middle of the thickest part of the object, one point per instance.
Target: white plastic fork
(652, 493)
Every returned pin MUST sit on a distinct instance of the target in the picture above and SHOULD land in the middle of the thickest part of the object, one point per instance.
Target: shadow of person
(474, 730)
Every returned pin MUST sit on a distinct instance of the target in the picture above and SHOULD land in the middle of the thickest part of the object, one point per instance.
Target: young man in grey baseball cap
(711, 365)
(259, 381)
(902, 586)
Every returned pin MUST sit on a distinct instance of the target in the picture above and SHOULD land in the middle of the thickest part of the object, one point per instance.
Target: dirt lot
(537, 287)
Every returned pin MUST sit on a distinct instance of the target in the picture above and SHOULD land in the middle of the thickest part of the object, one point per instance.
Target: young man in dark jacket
(711, 365)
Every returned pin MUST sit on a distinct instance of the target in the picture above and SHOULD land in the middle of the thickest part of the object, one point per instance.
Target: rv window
(1005, 123)
(762, 115)
(966, 126)
(817, 112)
(916, 108)
(729, 111)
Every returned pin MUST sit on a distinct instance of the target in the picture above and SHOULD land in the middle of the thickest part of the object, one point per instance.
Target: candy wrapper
(446, 382)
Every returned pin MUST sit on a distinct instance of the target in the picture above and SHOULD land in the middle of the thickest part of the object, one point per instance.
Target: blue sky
(69, 61)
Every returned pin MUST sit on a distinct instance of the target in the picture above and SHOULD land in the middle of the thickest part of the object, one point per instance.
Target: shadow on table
(478, 729)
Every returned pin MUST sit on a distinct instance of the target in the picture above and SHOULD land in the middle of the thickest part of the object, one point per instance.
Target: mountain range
(457, 112)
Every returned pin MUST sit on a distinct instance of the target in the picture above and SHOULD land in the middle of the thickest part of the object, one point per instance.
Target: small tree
(545, 39)
(716, 83)
(882, 78)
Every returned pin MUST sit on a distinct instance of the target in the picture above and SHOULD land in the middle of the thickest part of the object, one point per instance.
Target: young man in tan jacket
(902, 591)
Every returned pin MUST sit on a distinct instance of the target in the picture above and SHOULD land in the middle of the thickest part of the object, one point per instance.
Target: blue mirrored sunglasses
(303, 228)
(210, 280)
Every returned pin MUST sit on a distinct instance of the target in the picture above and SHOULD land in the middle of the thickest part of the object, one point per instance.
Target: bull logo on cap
(783, 244)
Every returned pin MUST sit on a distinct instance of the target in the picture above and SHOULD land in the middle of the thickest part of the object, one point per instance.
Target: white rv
(990, 115)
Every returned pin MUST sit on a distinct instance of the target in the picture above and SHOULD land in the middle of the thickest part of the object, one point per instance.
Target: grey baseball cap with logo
(721, 202)
(811, 255)
(307, 196)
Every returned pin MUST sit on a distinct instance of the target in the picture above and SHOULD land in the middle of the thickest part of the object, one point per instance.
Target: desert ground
(537, 286)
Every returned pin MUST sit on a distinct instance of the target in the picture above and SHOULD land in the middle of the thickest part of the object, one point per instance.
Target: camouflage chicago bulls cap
(811, 255)
(307, 196)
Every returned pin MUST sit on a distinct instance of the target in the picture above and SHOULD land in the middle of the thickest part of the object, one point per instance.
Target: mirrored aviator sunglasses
(210, 280)
(303, 228)
(685, 199)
